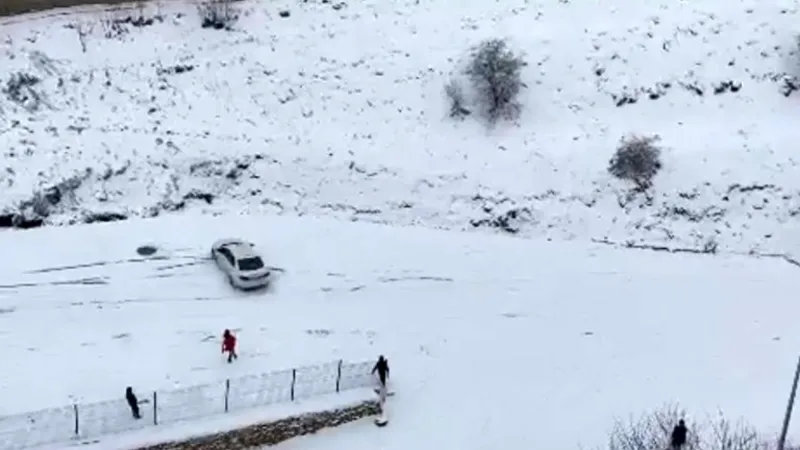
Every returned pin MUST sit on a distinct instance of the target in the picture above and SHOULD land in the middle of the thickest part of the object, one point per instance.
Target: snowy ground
(338, 110)
(487, 335)
(90, 304)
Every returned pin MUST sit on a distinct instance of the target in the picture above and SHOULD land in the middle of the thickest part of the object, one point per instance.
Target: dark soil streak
(188, 264)
(81, 281)
(422, 278)
(163, 300)
(107, 263)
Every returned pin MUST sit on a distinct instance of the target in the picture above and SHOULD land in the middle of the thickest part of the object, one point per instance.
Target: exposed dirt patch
(103, 217)
(512, 315)
(319, 332)
(14, 7)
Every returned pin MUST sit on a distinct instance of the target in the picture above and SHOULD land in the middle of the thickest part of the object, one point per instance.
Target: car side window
(227, 254)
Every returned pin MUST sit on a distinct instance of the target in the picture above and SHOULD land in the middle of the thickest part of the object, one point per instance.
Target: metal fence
(80, 422)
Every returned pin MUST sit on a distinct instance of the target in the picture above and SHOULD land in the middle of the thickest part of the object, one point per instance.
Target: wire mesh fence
(81, 422)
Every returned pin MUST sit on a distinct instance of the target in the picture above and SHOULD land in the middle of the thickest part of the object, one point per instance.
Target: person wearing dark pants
(382, 368)
(678, 438)
(133, 402)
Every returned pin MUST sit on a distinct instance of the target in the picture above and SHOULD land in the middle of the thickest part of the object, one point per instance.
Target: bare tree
(738, 435)
(83, 29)
(496, 75)
(651, 431)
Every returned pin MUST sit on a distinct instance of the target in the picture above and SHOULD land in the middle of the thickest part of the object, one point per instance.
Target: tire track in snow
(103, 279)
(110, 263)
(90, 281)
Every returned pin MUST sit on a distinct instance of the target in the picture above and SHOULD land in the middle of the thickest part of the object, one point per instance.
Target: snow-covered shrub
(495, 72)
(653, 431)
(455, 95)
(20, 90)
(45, 201)
(217, 14)
(117, 27)
(114, 29)
(637, 159)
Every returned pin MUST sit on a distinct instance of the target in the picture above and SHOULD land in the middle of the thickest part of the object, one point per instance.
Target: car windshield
(253, 263)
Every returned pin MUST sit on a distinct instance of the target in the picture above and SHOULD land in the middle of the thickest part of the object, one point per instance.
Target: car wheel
(230, 281)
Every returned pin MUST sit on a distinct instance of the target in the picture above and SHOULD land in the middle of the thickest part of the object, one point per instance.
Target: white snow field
(493, 341)
(338, 110)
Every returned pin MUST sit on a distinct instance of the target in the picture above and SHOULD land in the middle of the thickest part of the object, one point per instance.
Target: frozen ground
(487, 335)
(338, 110)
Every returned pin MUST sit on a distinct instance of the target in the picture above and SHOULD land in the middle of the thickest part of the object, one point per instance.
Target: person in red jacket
(229, 345)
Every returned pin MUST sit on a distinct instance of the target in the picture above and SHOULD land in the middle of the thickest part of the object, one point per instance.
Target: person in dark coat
(229, 345)
(382, 368)
(133, 402)
(678, 438)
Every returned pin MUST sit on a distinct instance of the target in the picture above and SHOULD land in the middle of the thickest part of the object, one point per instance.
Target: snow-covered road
(466, 319)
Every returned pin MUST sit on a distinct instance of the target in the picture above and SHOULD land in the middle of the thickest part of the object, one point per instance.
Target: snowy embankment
(491, 333)
(338, 110)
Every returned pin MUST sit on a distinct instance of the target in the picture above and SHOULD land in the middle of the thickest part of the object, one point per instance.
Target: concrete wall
(274, 432)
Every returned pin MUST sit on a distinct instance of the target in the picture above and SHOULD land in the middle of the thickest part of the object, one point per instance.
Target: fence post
(77, 422)
(788, 415)
(338, 375)
(294, 378)
(155, 408)
(227, 391)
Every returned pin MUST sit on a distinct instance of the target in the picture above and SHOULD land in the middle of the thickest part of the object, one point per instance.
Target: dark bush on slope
(218, 14)
(637, 159)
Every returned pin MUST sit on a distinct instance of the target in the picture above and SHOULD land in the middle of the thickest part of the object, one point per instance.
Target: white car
(240, 261)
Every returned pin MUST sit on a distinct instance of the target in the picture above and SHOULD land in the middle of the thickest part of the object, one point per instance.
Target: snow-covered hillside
(338, 110)
(494, 342)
